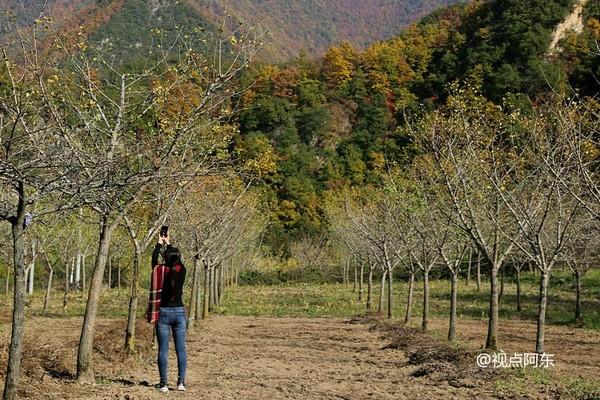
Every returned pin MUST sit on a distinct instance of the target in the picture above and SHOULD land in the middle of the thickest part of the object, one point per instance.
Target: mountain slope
(311, 25)
(314, 25)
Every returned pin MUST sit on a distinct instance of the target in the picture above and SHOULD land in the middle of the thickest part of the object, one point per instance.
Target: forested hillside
(463, 148)
(293, 26)
(314, 25)
(340, 121)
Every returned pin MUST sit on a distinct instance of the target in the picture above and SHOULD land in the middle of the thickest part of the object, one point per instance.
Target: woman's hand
(164, 239)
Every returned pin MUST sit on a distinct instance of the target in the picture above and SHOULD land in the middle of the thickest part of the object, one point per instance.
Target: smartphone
(163, 230)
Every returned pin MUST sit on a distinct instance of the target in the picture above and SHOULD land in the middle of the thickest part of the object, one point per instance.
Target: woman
(172, 313)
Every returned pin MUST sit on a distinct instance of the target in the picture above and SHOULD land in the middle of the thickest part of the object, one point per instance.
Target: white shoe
(163, 389)
(181, 387)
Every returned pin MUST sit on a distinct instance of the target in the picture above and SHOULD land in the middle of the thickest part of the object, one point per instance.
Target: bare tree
(577, 121)
(580, 253)
(36, 165)
(371, 220)
(311, 252)
(459, 141)
(518, 261)
(416, 231)
(350, 239)
(142, 231)
(217, 219)
(182, 96)
(541, 208)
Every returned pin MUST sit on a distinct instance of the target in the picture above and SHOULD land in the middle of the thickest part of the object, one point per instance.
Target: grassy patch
(334, 299)
(297, 300)
(331, 299)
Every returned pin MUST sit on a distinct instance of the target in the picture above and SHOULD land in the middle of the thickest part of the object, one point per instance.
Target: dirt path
(280, 358)
(292, 358)
(235, 358)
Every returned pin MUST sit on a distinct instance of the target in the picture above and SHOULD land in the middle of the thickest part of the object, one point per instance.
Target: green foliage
(340, 122)
(138, 27)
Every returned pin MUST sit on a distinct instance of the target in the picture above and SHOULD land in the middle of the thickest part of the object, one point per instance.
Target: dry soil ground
(284, 358)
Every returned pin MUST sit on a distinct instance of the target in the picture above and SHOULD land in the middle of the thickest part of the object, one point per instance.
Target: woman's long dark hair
(172, 259)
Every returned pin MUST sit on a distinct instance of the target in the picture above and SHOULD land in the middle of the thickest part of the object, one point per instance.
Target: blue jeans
(171, 318)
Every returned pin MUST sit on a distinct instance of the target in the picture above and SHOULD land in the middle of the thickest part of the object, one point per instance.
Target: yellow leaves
(484, 33)
(590, 150)
(287, 212)
(248, 97)
(594, 26)
(264, 164)
(377, 161)
(338, 64)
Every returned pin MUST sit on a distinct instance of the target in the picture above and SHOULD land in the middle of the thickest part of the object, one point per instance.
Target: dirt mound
(434, 358)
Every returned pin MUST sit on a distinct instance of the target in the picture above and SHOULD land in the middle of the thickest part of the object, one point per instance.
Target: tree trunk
(85, 372)
(215, 295)
(133, 302)
(541, 320)
(31, 268)
(205, 295)
(347, 272)
(79, 255)
(48, 287)
(7, 282)
(409, 300)
(13, 367)
(354, 286)
(491, 340)
(370, 290)
(221, 283)
(390, 293)
(216, 286)
(518, 289)
(211, 292)
(382, 291)
(479, 273)
(469, 266)
(65, 296)
(30, 277)
(83, 274)
(198, 297)
(501, 284)
(578, 318)
(453, 292)
(110, 273)
(425, 322)
(361, 281)
(78, 269)
(194, 294)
